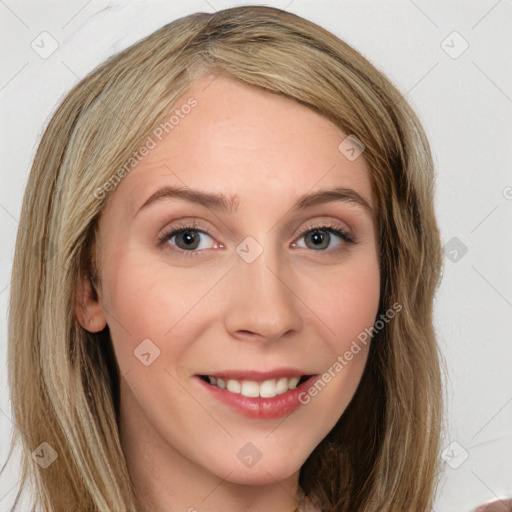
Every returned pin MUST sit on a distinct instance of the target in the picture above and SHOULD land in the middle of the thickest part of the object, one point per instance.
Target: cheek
(148, 299)
(354, 303)
(344, 299)
(346, 304)
(147, 302)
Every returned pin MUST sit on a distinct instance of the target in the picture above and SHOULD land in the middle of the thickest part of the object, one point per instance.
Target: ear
(89, 312)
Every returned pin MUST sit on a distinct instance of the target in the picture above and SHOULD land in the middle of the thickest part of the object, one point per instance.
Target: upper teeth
(252, 389)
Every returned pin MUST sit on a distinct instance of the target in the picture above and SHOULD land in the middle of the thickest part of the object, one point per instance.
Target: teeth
(252, 389)
(293, 382)
(233, 386)
(268, 389)
(282, 386)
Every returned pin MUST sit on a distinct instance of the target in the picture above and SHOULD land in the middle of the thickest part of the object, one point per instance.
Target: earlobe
(89, 312)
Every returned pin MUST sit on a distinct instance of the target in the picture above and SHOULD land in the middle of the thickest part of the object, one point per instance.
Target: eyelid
(327, 226)
(183, 225)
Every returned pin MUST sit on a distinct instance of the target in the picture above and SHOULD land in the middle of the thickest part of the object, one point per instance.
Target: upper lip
(258, 376)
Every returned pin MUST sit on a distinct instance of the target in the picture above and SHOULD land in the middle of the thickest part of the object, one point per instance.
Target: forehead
(243, 141)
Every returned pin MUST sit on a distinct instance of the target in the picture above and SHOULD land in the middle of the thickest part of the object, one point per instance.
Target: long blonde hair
(382, 455)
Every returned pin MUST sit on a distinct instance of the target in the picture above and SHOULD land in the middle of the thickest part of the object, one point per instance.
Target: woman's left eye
(320, 238)
(191, 239)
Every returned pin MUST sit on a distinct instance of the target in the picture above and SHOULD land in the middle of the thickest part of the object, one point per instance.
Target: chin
(261, 473)
(262, 476)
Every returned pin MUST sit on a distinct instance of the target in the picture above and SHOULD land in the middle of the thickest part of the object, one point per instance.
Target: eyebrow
(222, 203)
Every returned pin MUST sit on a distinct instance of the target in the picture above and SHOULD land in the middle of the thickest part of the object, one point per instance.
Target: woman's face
(274, 275)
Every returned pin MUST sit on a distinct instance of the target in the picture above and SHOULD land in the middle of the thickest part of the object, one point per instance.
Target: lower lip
(261, 408)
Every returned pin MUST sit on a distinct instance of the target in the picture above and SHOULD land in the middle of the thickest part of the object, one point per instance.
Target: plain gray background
(452, 62)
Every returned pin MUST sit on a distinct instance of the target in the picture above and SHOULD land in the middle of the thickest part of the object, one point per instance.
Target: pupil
(318, 237)
(189, 238)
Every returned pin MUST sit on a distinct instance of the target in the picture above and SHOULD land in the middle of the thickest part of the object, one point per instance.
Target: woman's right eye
(187, 238)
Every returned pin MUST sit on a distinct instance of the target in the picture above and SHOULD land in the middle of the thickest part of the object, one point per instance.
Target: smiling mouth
(252, 389)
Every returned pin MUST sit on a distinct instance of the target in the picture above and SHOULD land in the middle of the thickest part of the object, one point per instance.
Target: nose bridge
(261, 302)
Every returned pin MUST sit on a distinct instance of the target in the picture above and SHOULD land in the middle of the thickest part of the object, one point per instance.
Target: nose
(261, 304)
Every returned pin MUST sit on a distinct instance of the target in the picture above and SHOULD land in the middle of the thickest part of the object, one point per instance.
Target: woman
(234, 307)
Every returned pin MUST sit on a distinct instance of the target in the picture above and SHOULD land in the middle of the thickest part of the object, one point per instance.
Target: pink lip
(260, 408)
(259, 376)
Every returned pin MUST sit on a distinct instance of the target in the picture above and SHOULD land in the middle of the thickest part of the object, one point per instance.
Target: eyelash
(176, 230)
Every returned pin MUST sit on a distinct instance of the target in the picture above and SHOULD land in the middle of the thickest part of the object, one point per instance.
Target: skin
(496, 506)
(294, 305)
